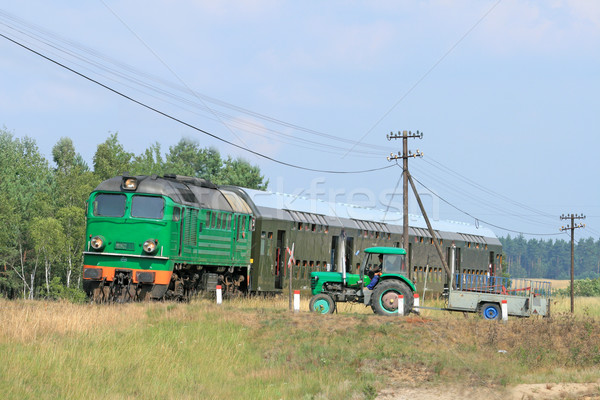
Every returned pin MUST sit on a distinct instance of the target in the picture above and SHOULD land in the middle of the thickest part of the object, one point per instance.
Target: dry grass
(558, 284)
(256, 348)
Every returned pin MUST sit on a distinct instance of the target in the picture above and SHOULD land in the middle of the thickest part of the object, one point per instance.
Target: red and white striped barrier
(417, 303)
(219, 294)
(400, 305)
(504, 307)
(296, 300)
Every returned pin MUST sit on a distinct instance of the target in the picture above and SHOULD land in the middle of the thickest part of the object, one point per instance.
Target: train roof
(186, 190)
(314, 211)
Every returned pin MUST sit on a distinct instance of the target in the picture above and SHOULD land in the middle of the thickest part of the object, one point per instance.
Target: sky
(505, 94)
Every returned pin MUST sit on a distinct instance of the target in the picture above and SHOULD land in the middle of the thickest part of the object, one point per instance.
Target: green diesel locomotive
(165, 237)
(172, 236)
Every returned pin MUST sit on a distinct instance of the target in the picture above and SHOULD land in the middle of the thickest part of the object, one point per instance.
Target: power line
(185, 123)
(125, 72)
(480, 220)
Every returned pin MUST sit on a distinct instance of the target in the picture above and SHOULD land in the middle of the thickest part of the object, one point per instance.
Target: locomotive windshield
(147, 207)
(109, 205)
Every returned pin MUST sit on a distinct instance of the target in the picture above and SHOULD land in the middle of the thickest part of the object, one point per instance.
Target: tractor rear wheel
(385, 297)
(322, 303)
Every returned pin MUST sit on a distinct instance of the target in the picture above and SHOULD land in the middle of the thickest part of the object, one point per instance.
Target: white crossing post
(504, 308)
(400, 305)
(416, 303)
(296, 300)
(219, 294)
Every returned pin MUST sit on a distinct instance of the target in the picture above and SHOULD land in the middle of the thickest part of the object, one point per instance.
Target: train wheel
(490, 311)
(384, 300)
(322, 304)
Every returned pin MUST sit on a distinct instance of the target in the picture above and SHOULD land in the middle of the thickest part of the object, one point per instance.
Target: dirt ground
(414, 382)
(520, 392)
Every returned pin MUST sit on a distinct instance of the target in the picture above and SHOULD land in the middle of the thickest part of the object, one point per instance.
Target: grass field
(257, 349)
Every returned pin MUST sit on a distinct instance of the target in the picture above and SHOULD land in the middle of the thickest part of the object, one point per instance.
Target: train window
(109, 205)
(218, 217)
(176, 214)
(208, 219)
(376, 235)
(147, 207)
(213, 220)
(299, 226)
(326, 229)
(314, 227)
(270, 235)
(229, 223)
(223, 221)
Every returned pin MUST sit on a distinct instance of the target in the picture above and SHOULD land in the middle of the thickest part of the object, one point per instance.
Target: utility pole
(405, 155)
(572, 227)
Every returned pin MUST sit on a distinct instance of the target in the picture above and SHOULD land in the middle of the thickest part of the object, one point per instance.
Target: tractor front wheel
(322, 304)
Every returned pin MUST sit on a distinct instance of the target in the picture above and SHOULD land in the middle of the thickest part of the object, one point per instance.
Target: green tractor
(388, 263)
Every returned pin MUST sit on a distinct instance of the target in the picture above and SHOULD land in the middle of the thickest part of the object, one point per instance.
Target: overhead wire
(481, 220)
(250, 127)
(128, 73)
(140, 103)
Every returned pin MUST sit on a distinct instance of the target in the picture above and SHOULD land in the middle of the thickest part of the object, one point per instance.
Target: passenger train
(169, 237)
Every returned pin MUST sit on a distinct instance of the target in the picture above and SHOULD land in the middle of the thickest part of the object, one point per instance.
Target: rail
(500, 285)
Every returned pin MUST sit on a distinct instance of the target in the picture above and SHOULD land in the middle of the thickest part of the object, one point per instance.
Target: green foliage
(550, 259)
(582, 288)
(188, 158)
(57, 291)
(111, 159)
(42, 208)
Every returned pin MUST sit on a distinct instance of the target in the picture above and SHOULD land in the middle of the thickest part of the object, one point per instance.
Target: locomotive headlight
(150, 246)
(129, 183)
(97, 243)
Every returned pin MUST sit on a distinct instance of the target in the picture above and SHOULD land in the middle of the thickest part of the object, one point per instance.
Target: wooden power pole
(572, 227)
(405, 155)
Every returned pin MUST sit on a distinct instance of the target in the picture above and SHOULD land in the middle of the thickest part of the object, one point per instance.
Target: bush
(583, 288)
(58, 291)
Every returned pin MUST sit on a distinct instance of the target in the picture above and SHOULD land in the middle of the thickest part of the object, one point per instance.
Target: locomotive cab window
(109, 205)
(147, 207)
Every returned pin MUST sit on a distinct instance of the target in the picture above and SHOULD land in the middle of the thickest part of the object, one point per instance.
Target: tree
(25, 193)
(72, 221)
(239, 172)
(73, 180)
(49, 244)
(187, 158)
(111, 159)
(148, 163)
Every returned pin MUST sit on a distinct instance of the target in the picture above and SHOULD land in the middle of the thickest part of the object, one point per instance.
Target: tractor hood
(318, 278)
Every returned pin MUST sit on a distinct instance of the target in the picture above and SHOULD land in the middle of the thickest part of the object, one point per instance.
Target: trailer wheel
(322, 304)
(490, 311)
(385, 297)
